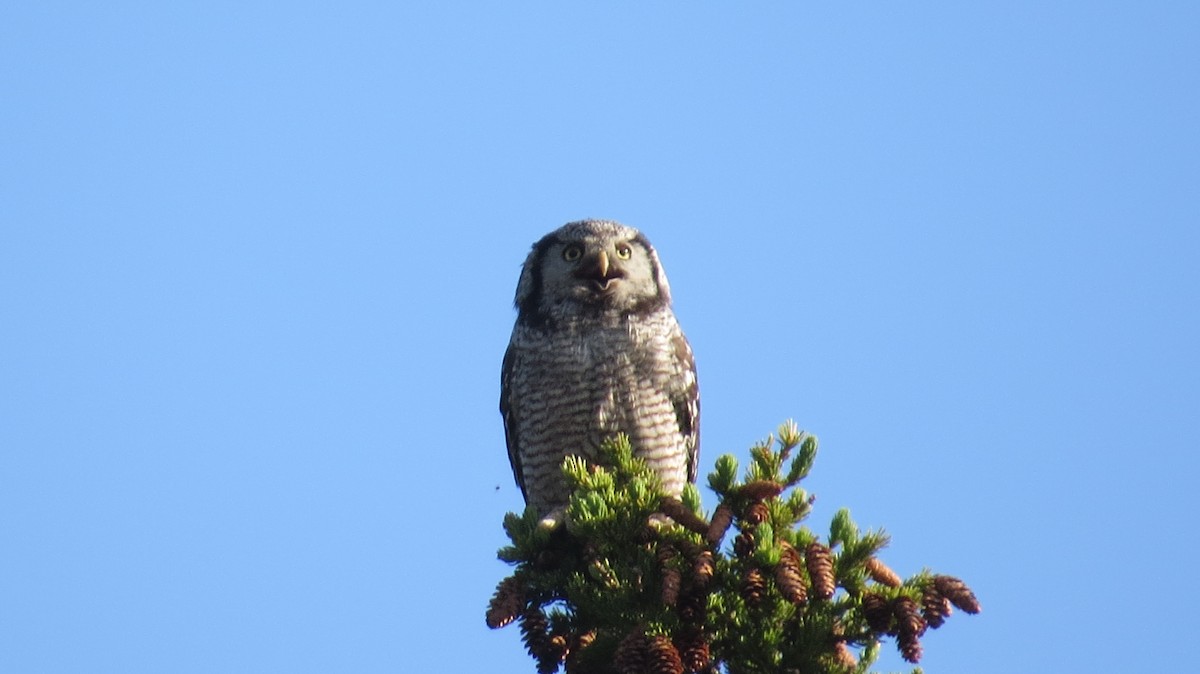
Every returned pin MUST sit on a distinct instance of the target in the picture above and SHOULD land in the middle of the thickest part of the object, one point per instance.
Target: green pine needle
(620, 568)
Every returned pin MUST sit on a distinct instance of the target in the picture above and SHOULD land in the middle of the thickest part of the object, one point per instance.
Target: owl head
(591, 267)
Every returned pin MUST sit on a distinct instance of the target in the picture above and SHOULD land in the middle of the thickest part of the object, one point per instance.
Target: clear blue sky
(257, 263)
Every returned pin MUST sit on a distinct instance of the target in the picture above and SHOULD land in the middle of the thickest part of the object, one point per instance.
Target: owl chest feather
(604, 380)
(596, 351)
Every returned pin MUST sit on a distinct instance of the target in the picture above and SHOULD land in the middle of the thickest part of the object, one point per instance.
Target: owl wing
(686, 401)
(508, 411)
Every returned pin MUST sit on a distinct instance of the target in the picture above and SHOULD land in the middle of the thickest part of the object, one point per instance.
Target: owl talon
(659, 521)
(553, 519)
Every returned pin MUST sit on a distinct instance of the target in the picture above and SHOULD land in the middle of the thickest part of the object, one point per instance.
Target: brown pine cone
(909, 628)
(693, 650)
(689, 548)
(506, 603)
(910, 648)
(760, 490)
(721, 519)
(556, 652)
(844, 656)
(533, 628)
(753, 586)
(662, 657)
(757, 513)
(934, 607)
(819, 560)
(547, 650)
(881, 574)
(670, 573)
(665, 553)
(703, 568)
(957, 592)
(676, 510)
(577, 645)
(877, 613)
(788, 576)
(692, 606)
(631, 656)
(743, 544)
(670, 585)
(908, 617)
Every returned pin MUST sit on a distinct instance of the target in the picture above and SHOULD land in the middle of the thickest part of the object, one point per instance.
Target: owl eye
(624, 251)
(572, 253)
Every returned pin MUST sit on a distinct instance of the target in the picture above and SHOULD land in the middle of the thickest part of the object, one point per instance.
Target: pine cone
(760, 490)
(631, 656)
(676, 510)
(881, 574)
(662, 656)
(688, 547)
(533, 629)
(743, 544)
(670, 573)
(721, 519)
(556, 652)
(579, 643)
(693, 650)
(506, 603)
(957, 592)
(909, 628)
(753, 586)
(670, 585)
(665, 552)
(877, 613)
(788, 576)
(908, 617)
(703, 568)
(910, 648)
(819, 560)
(934, 607)
(757, 513)
(692, 606)
(843, 656)
(547, 650)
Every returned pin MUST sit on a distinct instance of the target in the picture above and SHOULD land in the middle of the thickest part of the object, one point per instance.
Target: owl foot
(553, 519)
(659, 521)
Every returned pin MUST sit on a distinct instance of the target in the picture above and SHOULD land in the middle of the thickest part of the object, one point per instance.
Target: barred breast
(575, 386)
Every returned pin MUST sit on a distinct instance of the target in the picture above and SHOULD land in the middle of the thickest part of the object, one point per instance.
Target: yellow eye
(624, 251)
(572, 253)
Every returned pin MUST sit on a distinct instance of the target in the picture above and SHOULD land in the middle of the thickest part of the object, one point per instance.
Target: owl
(596, 351)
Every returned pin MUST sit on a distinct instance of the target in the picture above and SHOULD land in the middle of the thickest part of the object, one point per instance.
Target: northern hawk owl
(596, 351)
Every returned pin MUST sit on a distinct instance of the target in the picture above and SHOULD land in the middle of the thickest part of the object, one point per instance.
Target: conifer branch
(639, 582)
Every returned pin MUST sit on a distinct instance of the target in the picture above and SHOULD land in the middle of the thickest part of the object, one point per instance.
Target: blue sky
(257, 265)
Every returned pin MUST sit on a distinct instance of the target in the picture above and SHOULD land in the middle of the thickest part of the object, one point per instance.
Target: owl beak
(600, 271)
